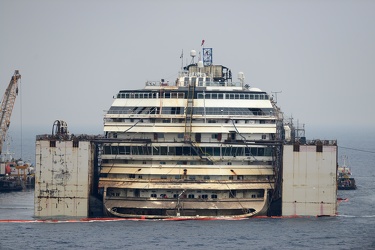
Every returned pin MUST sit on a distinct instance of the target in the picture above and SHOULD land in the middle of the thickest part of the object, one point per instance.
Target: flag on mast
(202, 42)
(182, 54)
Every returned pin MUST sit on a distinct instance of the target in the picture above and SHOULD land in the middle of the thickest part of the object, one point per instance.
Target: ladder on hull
(189, 113)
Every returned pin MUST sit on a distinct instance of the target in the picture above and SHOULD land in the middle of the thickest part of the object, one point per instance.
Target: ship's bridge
(211, 76)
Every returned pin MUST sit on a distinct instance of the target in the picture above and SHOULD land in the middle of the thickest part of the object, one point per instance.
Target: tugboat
(345, 181)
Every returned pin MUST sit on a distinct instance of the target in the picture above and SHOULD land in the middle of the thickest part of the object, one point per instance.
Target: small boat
(9, 184)
(345, 181)
(16, 176)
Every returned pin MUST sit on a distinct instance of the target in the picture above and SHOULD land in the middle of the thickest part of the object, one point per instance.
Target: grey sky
(74, 56)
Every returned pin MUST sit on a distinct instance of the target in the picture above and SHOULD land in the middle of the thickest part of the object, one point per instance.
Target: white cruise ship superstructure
(202, 146)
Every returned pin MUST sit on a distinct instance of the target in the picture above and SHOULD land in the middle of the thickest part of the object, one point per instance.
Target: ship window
(121, 150)
(268, 152)
(216, 151)
(178, 150)
(132, 176)
(163, 150)
(253, 196)
(220, 96)
(163, 177)
(232, 135)
(206, 177)
(186, 150)
(160, 135)
(155, 150)
(247, 152)
(153, 195)
(209, 151)
(191, 196)
(180, 135)
(114, 150)
(264, 137)
(296, 148)
(127, 150)
(319, 148)
(171, 151)
(240, 151)
(204, 196)
(192, 177)
(134, 150)
(200, 81)
(107, 150)
(75, 144)
(177, 177)
(227, 151)
(260, 151)
(52, 144)
(213, 196)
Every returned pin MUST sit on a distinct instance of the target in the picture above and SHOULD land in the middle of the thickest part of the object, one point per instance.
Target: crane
(7, 104)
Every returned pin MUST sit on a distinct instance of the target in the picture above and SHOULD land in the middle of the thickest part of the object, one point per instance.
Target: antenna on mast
(182, 59)
(276, 92)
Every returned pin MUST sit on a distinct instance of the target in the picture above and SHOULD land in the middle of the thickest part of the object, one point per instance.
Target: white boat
(199, 147)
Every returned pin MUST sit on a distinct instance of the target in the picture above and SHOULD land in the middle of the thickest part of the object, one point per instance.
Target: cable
(21, 116)
(356, 149)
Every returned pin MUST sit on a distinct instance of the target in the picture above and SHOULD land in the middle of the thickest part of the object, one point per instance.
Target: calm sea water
(353, 228)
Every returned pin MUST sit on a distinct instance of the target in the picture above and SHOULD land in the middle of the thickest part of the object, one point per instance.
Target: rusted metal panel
(63, 178)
